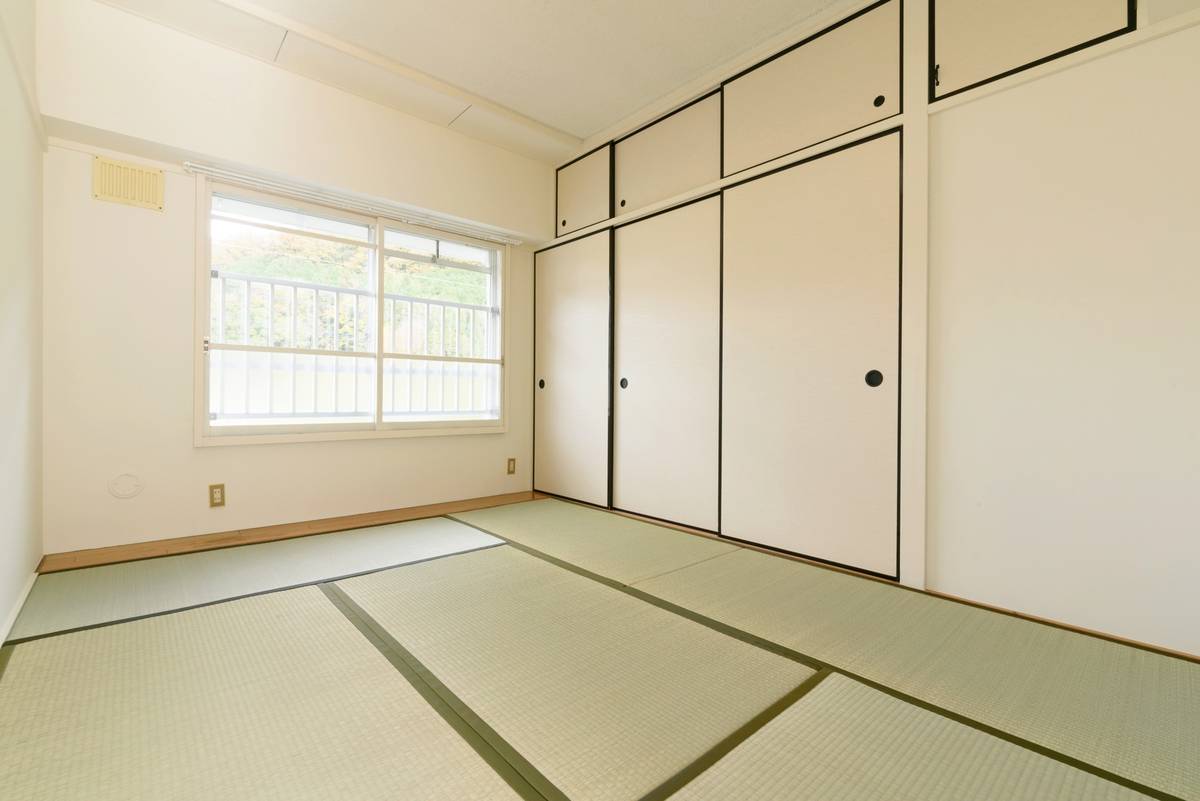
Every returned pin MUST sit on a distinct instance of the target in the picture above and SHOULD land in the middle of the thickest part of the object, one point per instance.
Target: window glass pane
(410, 243)
(417, 390)
(290, 287)
(464, 254)
(418, 279)
(294, 220)
(249, 251)
(274, 289)
(433, 328)
(256, 388)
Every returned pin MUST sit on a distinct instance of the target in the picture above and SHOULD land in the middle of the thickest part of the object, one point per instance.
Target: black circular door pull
(874, 378)
(879, 100)
(564, 222)
(624, 383)
(541, 383)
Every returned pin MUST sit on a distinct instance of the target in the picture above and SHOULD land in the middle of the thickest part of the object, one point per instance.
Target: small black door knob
(622, 204)
(564, 222)
(879, 100)
(874, 378)
(624, 383)
(541, 383)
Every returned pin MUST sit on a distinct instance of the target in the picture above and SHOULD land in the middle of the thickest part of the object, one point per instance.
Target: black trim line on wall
(666, 116)
(720, 355)
(877, 135)
(898, 130)
(557, 170)
(806, 40)
(612, 395)
(1129, 27)
(899, 348)
(801, 43)
(612, 313)
(534, 478)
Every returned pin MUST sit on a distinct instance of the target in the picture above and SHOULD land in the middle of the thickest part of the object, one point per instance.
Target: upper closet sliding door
(810, 416)
(571, 369)
(679, 152)
(583, 191)
(667, 365)
(841, 79)
(976, 41)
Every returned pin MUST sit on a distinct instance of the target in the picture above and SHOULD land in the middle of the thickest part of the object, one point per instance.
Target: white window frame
(206, 435)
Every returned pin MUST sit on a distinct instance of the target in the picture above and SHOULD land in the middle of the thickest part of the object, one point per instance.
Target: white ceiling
(575, 65)
(533, 76)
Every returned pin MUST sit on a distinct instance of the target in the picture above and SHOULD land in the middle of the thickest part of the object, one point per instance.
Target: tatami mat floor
(549, 651)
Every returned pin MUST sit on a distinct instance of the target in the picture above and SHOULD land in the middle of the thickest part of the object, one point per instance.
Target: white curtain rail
(372, 208)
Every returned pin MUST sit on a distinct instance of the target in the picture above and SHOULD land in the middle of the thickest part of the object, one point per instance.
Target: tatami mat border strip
(866, 576)
(315, 582)
(526, 780)
(743, 733)
(820, 665)
(5, 655)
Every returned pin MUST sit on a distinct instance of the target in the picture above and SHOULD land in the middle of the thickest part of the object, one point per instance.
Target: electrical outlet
(512, 466)
(216, 495)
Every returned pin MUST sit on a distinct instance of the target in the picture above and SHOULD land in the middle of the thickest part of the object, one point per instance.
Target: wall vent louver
(131, 184)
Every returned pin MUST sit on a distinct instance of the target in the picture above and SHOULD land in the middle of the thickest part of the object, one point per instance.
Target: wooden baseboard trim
(92, 557)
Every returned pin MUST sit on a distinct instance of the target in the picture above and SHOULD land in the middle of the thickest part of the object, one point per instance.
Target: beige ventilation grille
(130, 184)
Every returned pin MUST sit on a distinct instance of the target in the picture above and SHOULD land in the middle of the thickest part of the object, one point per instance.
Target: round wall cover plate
(126, 485)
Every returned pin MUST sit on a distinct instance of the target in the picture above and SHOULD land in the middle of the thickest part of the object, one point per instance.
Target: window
(320, 321)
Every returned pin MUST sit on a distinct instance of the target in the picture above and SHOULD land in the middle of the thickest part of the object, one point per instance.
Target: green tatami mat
(618, 547)
(271, 698)
(844, 741)
(1124, 710)
(605, 695)
(93, 595)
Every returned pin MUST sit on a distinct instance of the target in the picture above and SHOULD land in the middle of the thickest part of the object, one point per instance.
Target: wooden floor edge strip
(215, 602)
(155, 549)
(747, 730)
(525, 780)
(818, 664)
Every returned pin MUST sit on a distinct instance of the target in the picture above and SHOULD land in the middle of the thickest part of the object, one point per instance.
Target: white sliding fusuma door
(810, 412)
(667, 365)
(571, 367)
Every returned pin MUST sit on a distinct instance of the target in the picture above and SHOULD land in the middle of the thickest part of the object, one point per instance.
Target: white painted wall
(1064, 442)
(119, 392)
(109, 70)
(20, 312)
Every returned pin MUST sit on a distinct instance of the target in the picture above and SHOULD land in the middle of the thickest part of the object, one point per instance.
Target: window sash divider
(258, 279)
(454, 304)
(231, 346)
(437, 261)
(422, 357)
(283, 229)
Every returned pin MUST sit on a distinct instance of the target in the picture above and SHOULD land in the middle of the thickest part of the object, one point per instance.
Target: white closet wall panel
(571, 369)
(584, 189)
(844, 78)
(811, 305)
(667, 349)
(675, 154)
(976, 40)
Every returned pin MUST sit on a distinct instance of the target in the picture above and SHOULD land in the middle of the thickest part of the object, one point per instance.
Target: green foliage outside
(344, 321)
